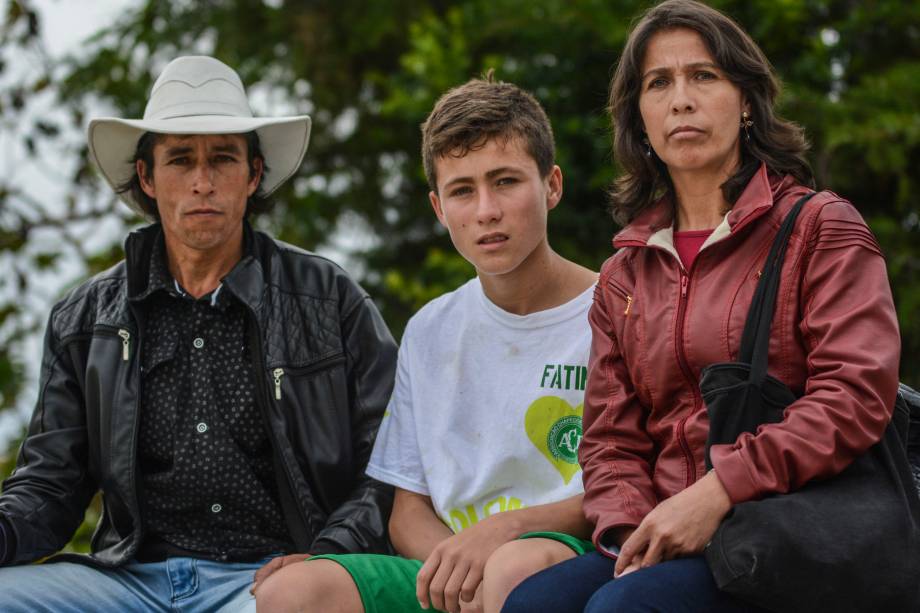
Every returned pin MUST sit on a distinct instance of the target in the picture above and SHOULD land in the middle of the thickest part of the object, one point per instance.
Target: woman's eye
(705, 75)
(657, 83)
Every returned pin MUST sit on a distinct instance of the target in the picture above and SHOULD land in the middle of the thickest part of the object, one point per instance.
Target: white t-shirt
(486, 412)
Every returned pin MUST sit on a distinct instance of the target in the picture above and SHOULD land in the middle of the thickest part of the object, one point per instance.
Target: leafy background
(368, 72)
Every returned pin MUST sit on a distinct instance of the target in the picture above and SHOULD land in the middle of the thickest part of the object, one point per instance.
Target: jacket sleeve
(45, 497)
(850, 331)
(359, 524)
(616, 452)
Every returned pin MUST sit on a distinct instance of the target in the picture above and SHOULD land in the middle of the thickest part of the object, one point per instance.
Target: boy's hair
(468, 116)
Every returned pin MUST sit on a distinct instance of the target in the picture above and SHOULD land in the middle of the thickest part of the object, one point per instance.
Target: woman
(710, 172)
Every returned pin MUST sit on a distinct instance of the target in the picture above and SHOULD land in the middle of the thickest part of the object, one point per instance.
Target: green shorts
(387, 583)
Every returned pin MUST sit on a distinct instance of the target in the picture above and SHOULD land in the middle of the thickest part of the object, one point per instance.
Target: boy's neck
(542, 281)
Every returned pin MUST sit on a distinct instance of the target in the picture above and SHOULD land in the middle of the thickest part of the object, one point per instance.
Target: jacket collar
(655, 226)
(245, 280)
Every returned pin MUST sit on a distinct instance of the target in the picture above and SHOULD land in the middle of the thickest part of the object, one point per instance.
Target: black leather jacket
(326, 363)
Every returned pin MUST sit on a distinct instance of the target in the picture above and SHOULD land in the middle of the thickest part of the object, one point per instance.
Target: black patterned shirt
(205, 459)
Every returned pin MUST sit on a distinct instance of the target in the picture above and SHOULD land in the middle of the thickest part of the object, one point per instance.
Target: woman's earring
(746, 123)
(648, 147)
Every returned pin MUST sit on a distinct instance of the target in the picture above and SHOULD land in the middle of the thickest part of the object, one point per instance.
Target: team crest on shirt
(564, 437)
(554, 428)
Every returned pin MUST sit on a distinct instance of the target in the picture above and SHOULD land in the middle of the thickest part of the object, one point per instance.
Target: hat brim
(113, 142)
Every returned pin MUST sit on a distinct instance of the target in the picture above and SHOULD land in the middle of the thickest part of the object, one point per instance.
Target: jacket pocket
(126, 335)
(280, 374)
(622, 303)
(313, 402)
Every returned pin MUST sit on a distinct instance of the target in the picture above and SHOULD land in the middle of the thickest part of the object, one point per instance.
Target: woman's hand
(679, 526)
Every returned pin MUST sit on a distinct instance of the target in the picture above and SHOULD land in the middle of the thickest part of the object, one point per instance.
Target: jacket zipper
(623, 294)
(126, 335)
(125, 344)
(258, 362)
(278, 373)
(123, 333)
(688, 375)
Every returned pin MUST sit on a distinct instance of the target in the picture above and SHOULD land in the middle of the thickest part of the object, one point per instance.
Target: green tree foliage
(368, 73)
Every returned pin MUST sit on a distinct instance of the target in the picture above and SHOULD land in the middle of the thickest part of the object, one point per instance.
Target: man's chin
(205, 240)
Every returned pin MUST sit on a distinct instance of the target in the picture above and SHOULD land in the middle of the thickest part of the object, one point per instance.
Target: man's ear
(436, 205)
(257, 166)
(146, 184)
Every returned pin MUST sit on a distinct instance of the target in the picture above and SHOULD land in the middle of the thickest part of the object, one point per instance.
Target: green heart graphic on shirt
(554, 427)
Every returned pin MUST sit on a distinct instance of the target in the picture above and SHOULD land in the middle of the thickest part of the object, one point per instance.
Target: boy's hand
(454, 569)
(273, 565)
(475, 606)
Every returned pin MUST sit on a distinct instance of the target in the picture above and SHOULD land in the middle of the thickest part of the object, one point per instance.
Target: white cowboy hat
(197, 95)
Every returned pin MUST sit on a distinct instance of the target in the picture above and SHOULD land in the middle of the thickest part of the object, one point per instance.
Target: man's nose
(203, 179)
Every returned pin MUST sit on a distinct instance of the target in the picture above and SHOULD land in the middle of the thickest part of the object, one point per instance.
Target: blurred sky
(65, 25)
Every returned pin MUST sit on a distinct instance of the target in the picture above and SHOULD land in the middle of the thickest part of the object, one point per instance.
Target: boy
(485, 418)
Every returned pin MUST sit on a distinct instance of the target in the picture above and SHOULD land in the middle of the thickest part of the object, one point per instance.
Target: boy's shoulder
(444, 311)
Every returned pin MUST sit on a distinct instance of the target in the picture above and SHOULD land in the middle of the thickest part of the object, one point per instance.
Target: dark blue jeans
(585, 583)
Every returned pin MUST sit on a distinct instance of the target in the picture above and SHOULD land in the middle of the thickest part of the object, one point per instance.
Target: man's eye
(178, 161)
(460, 191)
(224, 158)
(507, 181)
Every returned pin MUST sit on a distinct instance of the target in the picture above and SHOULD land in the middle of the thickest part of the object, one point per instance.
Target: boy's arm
(453, 569)
(415, 529)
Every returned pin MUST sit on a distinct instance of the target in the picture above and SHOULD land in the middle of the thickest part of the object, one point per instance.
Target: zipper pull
(278, 373)
(125, 345)
(684, 282)
(629, 300)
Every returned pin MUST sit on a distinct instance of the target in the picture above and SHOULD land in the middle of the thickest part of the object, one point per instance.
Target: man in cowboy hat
(220, 388)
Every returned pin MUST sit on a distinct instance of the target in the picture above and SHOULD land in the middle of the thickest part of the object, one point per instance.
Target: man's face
(201, 184)
(494, 204)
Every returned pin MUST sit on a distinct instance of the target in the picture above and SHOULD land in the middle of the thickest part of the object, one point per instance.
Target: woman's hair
(773, 140)
(256, 204)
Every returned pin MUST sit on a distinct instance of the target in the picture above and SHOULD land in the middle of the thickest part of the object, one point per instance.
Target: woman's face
(690, 110)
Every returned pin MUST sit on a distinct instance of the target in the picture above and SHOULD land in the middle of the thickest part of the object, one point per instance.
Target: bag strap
(755, 340)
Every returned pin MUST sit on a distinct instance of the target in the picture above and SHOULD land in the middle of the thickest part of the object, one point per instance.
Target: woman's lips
(685, 132)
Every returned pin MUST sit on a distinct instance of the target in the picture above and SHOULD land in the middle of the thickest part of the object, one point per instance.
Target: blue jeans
(178, 584)
(585, 583)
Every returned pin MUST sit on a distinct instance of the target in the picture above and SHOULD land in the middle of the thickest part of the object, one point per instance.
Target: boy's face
(494, 204)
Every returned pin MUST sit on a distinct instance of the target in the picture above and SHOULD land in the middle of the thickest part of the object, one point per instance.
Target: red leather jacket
(834, 342)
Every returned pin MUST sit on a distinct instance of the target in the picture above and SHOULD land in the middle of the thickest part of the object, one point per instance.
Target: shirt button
(198, 343)
(216, 508)
(202, 428)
